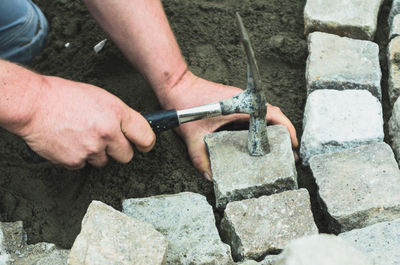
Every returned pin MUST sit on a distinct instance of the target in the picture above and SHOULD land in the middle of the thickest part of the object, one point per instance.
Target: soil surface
(51, 201)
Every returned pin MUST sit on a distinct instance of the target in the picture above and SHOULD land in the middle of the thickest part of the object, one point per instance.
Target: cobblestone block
(395, 27)
(256, 227)
(352, 18)
(336, 120)
(342, 63)
(393, 54)
(237, 175)
(187, 221)
(358, 187)
(380, 242)
(111, 237)
(15, 250)
(394, 129)
(394, 11)
(321, 249)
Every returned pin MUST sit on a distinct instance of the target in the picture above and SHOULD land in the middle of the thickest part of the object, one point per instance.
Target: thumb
(136, 128)
(198, 155)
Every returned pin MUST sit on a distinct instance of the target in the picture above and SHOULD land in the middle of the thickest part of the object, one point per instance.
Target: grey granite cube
(395, 27)
(237, 175)
(336, 120)
(394, 129)
(358, 187)
(342, 63)
(380, 242)
(355, 19)
(256, 227)
(394, 11)
(111, 237)
(187, 221)
(322, 249)
(393, 55)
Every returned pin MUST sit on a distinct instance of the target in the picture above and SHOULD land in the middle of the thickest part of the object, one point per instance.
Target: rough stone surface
(336, 120)
(14, 248)
(394, 11)
(395, 27)
(393, 54)
(187, 221)
(358, 187)
(268, 260)
(352, 18)
(394, 129)
(380, 242)
(237, 175)
(256, 227)
(321, 249)
(111, 237)
(342, 63)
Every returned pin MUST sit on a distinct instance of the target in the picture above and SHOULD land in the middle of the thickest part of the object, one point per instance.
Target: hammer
(251, 101)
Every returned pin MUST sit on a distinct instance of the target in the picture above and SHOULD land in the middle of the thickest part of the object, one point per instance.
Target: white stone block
(380, 242)
(393, 54)
(111, 237)
(237, 175)
(336, 120)
(321, 249)
(187, 221)
(352, 18)
(358, 187)
(395, 27)
(342, 63)
(394, 130)
(256, 227)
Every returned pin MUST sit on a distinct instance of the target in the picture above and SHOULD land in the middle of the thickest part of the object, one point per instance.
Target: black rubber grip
(162, 120)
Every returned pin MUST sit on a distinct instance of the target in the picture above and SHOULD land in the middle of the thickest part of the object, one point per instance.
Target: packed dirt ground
(52, 201)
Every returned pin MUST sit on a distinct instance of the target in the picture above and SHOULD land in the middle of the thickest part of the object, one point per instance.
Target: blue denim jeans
(23, 30)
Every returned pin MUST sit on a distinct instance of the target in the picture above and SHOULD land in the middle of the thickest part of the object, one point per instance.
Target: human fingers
(98, 159)
(198, 155)
(120, 149)
(276, 116)
(136, 128)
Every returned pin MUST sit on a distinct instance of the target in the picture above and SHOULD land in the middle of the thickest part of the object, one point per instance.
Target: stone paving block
(393, 54)
(380, 242)
(237, 175)
(394, 129)
(395, 27)
(256, 227)
(342, 63)
(358, 187)
(15, 249)
(351, 18)
(394, 11)
(322, 249)
(187, 221)
(111, 237)
(336, 120)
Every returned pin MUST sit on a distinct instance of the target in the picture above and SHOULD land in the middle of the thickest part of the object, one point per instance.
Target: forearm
(19, 92)
(141, 30)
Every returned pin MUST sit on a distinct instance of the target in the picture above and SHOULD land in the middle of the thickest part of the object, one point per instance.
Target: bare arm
(69, 123)
(141, 30)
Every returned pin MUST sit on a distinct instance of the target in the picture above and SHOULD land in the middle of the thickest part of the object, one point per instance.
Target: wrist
(172, 92)
(21, 96)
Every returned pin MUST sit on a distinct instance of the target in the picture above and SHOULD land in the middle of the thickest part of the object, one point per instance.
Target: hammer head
(252, 101)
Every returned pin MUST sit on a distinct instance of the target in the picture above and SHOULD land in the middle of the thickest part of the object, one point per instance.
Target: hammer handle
(162, 120)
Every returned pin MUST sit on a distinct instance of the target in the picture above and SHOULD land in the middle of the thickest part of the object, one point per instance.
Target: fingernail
(207, 176)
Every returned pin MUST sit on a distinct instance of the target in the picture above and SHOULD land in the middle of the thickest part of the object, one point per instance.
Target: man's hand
(73, 123)
(193, 91)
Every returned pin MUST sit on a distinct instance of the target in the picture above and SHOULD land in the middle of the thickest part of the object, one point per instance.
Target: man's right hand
(73, 123)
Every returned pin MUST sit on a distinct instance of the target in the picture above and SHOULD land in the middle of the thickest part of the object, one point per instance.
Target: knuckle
(148, 140)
